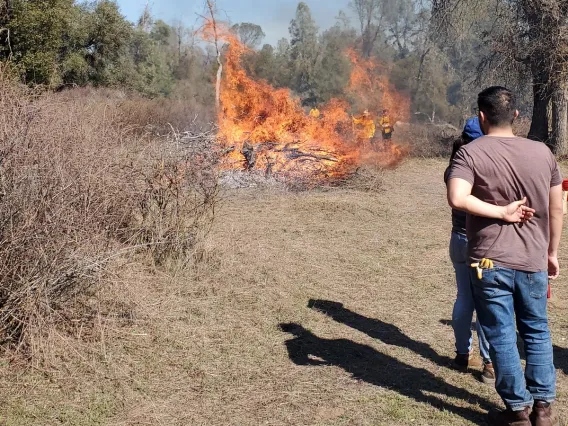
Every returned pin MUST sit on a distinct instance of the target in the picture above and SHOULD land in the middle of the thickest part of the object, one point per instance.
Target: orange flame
(270, 122)
(370, 85)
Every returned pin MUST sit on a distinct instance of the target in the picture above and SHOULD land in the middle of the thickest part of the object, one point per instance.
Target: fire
(370, 85)
(267, 129)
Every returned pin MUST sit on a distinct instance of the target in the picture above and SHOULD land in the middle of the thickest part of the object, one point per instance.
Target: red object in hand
(549, 292)
(565, 185)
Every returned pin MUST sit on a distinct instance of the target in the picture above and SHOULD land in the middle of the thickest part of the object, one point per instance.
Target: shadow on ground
(386, 333)
(366, 364)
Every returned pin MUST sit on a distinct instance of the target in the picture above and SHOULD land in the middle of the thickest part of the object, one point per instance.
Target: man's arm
(460, 198)
(556, 218)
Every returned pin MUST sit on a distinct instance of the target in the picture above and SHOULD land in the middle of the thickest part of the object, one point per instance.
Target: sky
(273, 16)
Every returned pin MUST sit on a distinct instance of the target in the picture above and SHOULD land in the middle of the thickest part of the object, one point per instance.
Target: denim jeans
(464, 305)
(501, 295)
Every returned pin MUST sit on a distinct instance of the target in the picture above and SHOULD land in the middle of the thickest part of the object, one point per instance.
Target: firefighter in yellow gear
(364, 126)
(315, 113)
(387, 128)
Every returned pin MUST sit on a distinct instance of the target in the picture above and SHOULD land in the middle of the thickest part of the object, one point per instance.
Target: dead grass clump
(79, 190)
(161, 115)
(428, 141)
(367, 179)
(178, 205)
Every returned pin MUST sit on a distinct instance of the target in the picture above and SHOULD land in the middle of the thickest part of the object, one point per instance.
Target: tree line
(438, 53)
(61, 43)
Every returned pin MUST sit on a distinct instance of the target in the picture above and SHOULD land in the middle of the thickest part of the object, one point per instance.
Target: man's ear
(482, 122)
(517, 114)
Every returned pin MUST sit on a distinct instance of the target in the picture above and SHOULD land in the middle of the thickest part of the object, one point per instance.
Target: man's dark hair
(499, 105)
(458, 143)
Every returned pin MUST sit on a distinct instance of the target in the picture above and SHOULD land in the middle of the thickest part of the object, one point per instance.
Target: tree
(304, 51)
(261, 64)
(371, 15)
(525, 37)
(40, 36)
(406, 21)
(333, 71)
(161, 33)
(108, 42)
(251, 35)
(282, 74)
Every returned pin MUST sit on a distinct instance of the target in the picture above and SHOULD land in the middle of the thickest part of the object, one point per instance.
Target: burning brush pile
(266, 131)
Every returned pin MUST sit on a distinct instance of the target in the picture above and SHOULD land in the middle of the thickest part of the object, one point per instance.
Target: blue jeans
(501, 295)
(465, 305)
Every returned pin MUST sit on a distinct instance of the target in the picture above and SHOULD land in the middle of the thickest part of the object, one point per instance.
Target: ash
(237, 179)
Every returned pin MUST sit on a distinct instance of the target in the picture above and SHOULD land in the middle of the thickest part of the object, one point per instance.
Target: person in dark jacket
(464, 305)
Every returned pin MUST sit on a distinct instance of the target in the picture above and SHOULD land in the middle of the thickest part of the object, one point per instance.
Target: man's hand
(460, 198)
(553, 267)
(518, 212)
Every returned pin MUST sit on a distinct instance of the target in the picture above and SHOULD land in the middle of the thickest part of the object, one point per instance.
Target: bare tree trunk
(218, 83)
(212, 7)
(542, 95)
(560, 120)
(418, 83)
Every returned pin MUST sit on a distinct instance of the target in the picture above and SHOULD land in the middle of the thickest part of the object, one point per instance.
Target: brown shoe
(488, 375)
(542, 415)
(464, 362)
(509, 418)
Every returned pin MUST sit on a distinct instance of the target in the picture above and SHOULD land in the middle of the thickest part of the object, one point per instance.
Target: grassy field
(318, 308)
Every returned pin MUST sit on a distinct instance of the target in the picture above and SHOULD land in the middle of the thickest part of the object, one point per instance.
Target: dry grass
(212, 346)
(427, 141)
(81, 191)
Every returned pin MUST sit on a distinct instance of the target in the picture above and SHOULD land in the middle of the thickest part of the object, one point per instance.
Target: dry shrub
(428, 141)
(80, 189)
(178, 205)
(431, 141)
(161, 115)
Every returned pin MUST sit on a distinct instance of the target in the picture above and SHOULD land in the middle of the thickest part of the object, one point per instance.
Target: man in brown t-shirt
(520, 238)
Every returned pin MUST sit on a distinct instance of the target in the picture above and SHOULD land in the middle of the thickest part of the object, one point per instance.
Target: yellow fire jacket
(385, 124)
(366, 127)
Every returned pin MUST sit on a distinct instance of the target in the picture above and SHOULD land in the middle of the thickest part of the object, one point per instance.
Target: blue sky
(273, 15)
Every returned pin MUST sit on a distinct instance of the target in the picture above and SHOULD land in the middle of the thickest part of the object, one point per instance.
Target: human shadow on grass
(377, 329)
(366, 364)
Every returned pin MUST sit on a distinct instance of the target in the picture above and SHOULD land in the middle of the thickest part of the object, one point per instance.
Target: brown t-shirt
(504, 170)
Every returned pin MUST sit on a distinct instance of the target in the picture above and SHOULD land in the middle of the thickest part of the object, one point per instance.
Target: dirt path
(315, 308)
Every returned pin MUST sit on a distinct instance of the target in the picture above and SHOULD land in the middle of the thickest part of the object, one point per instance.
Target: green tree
(304, 52)
(108, 40)
(333, 71)
(262, 63)
(41, 38)
(251, 35)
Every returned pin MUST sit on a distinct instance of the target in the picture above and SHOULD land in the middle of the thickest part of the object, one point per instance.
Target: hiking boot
(509, 418)
(467, 361)
(542, 415)
(488, 375)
